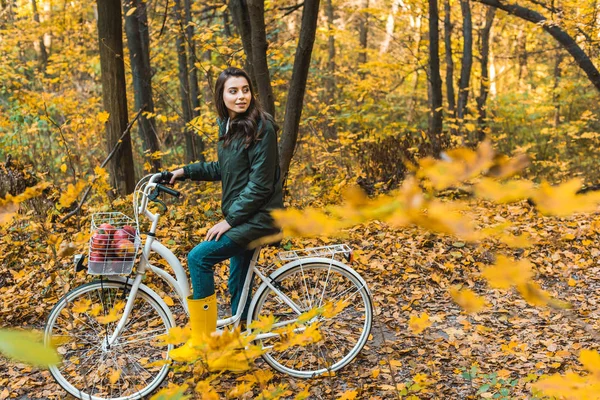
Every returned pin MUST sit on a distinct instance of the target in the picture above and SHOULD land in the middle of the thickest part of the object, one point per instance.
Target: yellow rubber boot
(203, 317)
(203, 321)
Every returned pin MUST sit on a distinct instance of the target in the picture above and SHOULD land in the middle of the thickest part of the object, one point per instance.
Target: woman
(248, 168)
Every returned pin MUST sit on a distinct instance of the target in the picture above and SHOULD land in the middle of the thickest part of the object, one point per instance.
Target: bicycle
(118, 358)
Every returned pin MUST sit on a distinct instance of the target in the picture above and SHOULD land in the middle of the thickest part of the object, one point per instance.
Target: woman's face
(236, 95)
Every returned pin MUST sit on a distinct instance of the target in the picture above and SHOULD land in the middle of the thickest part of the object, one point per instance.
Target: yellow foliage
(508, 192)
(563, 200)
(348, 395)
(71, 194)
(263, 324)
(507, 272)
(467, 299)
(571, 385)
(172, 392)
(418, 324)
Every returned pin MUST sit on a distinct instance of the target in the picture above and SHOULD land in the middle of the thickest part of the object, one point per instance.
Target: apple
(120, 234)
(125, 248)
(100, 240)
(129, 229)
(96, 256)
(107, 228)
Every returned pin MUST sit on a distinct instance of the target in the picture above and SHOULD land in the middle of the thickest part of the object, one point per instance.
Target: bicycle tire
(311, 285)
(88, 366)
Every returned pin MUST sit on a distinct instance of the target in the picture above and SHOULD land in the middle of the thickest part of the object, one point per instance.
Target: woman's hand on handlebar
(171, 177)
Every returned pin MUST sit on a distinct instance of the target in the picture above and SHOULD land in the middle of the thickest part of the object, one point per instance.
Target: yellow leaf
(130, 11)
(467, 299)
(348, 395)
(114, 376)
(25, 347)
(304, 394)
(176, 335)
(264, 323)
(71, 194)
(534, 295)
(419, 324)
(96, 308)
(103, 116)
(7, 212)
(171, 392)
(239, 390)
(310, 314)
(563, 200)
(113, 315)
(591, 361)
(509, 192)
(506, 273)
(168, 301)
(63, 167)
(330, 310)
(81, 305)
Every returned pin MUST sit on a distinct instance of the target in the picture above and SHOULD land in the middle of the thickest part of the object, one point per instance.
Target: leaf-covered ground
(495, 353)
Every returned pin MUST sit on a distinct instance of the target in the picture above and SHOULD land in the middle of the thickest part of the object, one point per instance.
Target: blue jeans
(201, 262)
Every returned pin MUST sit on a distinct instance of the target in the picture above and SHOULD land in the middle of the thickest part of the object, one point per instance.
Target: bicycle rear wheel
(91, 369)
(312, 285)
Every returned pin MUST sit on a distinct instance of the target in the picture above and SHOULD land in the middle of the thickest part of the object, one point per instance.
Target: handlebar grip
(167, 190)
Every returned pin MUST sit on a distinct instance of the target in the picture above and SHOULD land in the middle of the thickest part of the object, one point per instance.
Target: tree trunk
(555, 95)
(293, 109)
(194, 93)
(363, 29)
(580, 57)
(40, 45)
(330, 130)
(256, 11)
(110, 37)
(449, 61)
(485, 81)
(138, 41)
(435, 80)
(241, 19)
(467, 60)
(389, 28)
(191, 153)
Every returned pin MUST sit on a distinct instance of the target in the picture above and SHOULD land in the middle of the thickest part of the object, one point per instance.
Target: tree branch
(581, 58)
(110, 155)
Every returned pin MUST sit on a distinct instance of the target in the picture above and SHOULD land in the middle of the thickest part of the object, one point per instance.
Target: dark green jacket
(251, 184)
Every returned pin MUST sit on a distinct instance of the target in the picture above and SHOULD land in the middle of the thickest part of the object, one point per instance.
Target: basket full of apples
(114, 243)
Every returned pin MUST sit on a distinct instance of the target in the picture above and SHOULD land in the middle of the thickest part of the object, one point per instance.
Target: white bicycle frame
(180, 282)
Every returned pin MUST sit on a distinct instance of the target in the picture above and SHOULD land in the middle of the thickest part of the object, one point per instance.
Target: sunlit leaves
(418, 324)
(113, 315)
(103, 116)
(27, 348)
(508, 192)
(467, 299)
(71, 194)
(563, 199)
(506, 273)
(572, 385)
(172, 392)
(263, 324)
(176, 335)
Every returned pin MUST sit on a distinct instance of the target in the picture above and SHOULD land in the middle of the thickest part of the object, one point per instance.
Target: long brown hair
(244, 124)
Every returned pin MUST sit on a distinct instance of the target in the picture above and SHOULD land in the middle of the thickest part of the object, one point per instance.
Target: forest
(451, 144)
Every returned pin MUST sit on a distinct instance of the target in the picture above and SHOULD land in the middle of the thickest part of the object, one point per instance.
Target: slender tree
(467, 60)
(485, 81)
(40, 45)
(435, 80)
(295, 99)
(330, 130)
(451, 96)
(112, 69)
(256, 11)
(138, 42)
(241, 19)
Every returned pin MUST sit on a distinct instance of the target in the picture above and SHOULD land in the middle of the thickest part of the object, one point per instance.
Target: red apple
(107, 228)
(129, 229)
(125, 248)
(100, 240)
(96, 256)
(121, 234)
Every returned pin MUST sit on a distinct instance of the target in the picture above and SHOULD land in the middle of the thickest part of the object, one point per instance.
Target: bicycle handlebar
(167, 190)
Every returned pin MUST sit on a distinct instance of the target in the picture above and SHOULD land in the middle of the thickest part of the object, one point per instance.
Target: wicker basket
(114, 244)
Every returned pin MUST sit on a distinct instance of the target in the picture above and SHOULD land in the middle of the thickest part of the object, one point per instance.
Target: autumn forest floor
(498, 351)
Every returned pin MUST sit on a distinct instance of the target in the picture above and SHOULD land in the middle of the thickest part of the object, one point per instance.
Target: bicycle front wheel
(80, 325)
(343, 335)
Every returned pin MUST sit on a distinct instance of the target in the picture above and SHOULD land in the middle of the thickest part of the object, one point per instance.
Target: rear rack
(324, 251)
